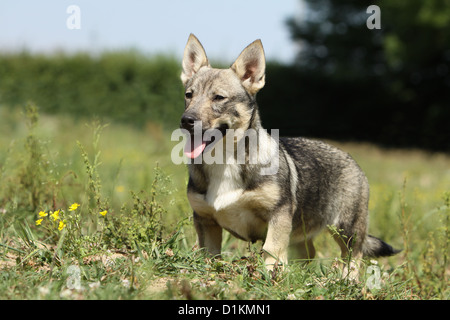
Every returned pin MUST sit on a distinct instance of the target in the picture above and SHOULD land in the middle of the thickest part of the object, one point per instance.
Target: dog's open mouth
(198, 144)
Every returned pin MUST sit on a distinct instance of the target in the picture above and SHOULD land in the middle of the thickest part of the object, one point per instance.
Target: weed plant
(92, 212)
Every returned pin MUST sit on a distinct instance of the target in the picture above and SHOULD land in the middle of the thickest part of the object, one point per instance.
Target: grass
(143, 247)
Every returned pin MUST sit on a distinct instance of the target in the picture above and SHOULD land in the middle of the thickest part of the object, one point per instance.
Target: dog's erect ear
(250, 67)
(193, 59)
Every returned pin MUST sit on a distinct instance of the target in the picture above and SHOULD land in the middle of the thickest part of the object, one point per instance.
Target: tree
(398, 75)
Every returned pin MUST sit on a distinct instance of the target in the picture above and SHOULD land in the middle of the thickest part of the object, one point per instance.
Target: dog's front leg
(277, 240)
(209, 234)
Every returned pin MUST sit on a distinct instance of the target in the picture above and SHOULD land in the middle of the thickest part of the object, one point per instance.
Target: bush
(125, 86)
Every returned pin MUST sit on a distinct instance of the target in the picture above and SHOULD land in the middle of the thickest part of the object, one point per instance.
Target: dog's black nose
(187, 121)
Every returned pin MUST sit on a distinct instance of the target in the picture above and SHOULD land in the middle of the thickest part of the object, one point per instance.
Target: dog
(313, 187)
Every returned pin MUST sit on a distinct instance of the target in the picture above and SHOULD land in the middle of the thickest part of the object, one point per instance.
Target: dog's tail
(374, 247)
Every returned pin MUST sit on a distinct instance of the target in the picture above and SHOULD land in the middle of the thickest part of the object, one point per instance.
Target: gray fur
(316, 185)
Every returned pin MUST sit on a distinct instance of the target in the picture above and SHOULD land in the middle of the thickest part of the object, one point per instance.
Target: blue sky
(223, 27)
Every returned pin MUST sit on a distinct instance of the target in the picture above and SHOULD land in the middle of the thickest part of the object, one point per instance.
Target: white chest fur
(225, 187)
(244, 213)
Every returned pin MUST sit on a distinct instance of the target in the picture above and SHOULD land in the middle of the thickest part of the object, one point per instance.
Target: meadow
(95, 209)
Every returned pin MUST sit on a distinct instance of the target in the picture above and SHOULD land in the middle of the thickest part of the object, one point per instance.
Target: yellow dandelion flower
(55, 215)
(74, 206)
(38, 222)
(62, 224)
(43, 214)
(103, 213)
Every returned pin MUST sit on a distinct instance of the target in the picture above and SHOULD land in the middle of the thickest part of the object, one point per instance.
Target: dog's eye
(188, 95)
(218, 97)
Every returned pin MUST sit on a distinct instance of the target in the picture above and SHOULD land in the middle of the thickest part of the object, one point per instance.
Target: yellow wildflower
(55, 215)
(62, 224)
(74, 207)
(38, 222)
(43, 214)
(103, 213)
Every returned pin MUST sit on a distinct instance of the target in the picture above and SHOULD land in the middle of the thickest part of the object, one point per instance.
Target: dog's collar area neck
(252, 118)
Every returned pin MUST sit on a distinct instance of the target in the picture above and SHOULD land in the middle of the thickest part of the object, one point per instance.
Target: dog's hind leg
(350, 239)
(351, 224)
(351, 254)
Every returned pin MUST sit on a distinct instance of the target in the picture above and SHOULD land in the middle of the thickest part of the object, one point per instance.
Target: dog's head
(220, 98)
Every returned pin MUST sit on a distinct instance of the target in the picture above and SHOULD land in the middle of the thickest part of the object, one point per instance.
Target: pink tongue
(193, 150)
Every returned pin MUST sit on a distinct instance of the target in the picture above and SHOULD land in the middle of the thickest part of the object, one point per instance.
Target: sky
(223, 27)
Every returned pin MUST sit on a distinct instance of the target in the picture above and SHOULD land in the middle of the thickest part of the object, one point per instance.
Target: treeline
(122, 86)
(367, 109)
(134, 88)
(388, 83)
